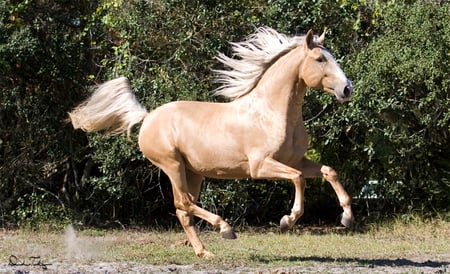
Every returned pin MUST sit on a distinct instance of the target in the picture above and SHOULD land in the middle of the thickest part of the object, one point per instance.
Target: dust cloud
(76, 247)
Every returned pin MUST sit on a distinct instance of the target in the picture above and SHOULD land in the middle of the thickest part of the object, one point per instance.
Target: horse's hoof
(228, 234)
(205, 254)
(284, 226)
(347, 222)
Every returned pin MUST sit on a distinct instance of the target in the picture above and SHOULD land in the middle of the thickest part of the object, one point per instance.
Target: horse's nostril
(348, 91)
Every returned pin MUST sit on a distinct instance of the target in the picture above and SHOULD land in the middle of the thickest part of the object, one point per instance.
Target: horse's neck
(279, 88)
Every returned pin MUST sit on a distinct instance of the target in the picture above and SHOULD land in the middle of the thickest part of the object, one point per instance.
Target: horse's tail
(112, 109)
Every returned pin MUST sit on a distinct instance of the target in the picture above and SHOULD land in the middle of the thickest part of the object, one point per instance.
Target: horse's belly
(217, 163)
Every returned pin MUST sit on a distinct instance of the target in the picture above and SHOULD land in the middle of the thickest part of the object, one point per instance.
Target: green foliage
(34, 209)
(396, 128)
(41, 51)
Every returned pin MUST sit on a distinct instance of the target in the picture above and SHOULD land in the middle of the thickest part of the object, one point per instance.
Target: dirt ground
(315, 265)
(68, 254)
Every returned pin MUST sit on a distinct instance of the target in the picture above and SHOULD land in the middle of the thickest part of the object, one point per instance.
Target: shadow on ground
(363, 262)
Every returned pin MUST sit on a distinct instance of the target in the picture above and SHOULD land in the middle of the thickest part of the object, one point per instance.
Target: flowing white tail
(112, 108)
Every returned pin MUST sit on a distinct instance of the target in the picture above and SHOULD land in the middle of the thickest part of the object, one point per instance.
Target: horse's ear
(309, 39)
(321, 40)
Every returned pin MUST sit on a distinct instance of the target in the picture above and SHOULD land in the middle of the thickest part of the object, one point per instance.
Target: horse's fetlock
(298, 212)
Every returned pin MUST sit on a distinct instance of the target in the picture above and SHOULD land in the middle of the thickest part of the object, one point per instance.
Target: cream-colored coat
(260, 134)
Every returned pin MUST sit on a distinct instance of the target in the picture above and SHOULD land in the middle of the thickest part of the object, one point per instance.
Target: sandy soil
(401, 265)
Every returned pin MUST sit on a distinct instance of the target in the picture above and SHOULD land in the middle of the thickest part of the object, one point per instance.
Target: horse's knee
(329, 173)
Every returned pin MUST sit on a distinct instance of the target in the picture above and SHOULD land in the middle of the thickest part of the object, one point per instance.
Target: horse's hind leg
(194, 184)
(183, 200)
(185, 195)
(187, 219)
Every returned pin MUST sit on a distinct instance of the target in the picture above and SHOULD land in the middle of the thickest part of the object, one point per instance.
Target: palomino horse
(260, 133)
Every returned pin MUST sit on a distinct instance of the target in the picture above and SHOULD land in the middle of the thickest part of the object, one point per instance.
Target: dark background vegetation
(396, 129)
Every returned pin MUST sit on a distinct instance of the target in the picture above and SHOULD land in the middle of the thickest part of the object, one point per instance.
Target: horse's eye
(321, 59)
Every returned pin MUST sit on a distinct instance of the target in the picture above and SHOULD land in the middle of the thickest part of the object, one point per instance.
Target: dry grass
(394, 244)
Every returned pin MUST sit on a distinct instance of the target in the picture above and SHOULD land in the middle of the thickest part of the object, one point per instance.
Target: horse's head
(321, 71)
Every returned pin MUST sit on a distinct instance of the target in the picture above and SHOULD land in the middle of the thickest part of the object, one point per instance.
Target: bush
(397, 126)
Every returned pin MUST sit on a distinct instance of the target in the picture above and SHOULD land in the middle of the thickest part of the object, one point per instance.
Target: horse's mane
(250, 59)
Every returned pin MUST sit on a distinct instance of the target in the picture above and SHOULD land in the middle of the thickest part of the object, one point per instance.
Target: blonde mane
(250, 59)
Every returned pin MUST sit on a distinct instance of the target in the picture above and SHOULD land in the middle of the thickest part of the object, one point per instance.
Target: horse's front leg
(270, 168)
(344, 199)
(288, 221)
(311, 169)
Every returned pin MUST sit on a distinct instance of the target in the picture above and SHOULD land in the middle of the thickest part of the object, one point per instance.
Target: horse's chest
(294, 146)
